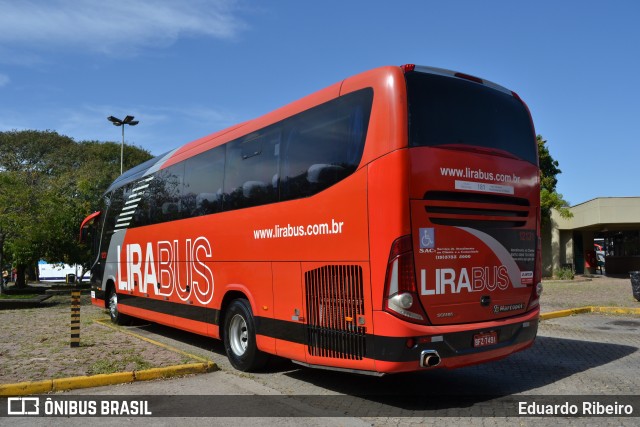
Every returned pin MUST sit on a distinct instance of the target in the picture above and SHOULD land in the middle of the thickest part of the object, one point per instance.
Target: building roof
(602, 214)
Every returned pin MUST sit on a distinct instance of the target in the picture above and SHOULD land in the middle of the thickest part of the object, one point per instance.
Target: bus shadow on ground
(276, 364)
(488, 389)
(550, 360)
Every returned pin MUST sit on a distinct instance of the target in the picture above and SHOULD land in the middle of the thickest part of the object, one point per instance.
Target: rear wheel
(240, 337)
(116, 317)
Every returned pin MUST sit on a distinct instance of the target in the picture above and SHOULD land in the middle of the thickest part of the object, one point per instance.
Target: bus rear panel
(467, 277)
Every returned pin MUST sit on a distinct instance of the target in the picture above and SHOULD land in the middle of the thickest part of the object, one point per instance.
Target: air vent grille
(476, 210)
(335, 302)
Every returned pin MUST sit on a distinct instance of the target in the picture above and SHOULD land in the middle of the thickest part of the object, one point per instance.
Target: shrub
(565, 274)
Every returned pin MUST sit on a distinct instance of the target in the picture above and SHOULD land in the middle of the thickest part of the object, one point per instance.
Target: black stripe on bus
(394, 349)
(186, 311)
(389, 349)
(273, 328)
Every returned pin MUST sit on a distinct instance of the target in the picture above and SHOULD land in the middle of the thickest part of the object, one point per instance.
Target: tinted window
(203, 180)
(448, 111)
(251, 177)
(138, 202)
(294, 158)
(324, 144)
(166, 203)
(113, 202)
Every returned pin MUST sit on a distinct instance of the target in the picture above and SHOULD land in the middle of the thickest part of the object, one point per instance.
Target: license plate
(483, 340)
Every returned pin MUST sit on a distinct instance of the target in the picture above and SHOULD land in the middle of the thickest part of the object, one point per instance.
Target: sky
(188, 68)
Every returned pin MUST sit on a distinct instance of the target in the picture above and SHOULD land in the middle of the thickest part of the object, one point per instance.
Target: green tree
(26, 164)
(549, 198)
(49, 184)
(14, 195)
(80, 190)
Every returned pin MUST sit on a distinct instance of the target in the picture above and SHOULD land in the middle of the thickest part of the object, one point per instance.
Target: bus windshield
(454, 113)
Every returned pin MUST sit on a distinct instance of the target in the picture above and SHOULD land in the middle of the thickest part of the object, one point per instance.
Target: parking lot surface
(583, 358)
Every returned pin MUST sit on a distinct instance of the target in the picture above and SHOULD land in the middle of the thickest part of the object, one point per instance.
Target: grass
(110, 366)
(25, 296)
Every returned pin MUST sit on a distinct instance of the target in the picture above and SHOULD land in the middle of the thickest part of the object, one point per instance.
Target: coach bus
(388, 223)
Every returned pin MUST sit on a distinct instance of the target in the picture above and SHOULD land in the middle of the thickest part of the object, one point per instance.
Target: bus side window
(324, 145)
(143, 214)
(113, 203)
(168, 193)
(203, 179)
(251, 168)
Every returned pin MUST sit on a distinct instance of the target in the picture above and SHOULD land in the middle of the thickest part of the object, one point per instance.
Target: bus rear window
(446, 111)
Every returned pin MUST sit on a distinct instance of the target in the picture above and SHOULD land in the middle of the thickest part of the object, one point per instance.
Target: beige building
(602, 235)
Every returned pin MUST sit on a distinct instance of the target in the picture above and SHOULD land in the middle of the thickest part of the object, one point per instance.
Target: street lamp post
(117, 122)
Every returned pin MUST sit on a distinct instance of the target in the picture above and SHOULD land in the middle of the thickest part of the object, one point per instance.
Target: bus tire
(116, 317)
(240, 337)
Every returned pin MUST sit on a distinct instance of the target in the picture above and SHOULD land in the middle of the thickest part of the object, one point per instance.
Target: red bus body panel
(314, 269)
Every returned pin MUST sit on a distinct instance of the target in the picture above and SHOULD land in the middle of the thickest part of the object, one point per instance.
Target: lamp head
(115, 121)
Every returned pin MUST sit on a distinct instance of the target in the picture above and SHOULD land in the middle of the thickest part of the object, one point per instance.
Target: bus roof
(139, 171)
(337, 89)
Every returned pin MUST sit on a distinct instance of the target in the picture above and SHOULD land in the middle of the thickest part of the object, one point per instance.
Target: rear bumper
(453, 344)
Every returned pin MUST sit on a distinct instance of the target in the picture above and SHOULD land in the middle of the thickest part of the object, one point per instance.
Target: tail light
(407, 68)
(401, 295)
(469, 77)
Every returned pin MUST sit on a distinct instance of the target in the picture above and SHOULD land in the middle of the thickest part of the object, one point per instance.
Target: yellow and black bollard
(75, 318)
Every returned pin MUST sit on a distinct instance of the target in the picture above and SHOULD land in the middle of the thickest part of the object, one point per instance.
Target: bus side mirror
(84, 227)
(83, 234)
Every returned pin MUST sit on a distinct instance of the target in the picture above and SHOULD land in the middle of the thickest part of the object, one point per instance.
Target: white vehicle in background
(59, 272)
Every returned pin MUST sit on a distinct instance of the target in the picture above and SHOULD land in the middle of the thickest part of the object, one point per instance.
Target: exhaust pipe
(429, 359)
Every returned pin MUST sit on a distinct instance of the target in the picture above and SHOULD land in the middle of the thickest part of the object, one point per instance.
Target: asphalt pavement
(580, 358)
(576, 360)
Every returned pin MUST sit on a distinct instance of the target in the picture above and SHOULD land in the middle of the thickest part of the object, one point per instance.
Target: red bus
(387, 223)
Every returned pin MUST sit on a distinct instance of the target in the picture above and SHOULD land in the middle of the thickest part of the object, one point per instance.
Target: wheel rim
(238, 335)
(113, 305)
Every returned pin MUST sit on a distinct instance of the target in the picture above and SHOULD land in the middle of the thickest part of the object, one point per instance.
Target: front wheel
(240, 337)
(116, 317)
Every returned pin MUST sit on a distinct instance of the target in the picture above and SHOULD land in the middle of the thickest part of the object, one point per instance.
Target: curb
(13, 304)
(589, 309)
(62, 384)
(567, 281)
(108, 324)
(83, 291)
